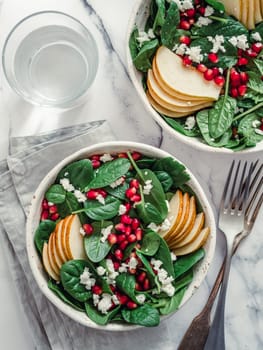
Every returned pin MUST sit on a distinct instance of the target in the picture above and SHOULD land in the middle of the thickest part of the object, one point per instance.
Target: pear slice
(233, 8)
(244, 13)
(257, 14)
(54, 253)
(46, 263)
(175, 213)
(63, 236)
(250, 15)
(58, 239)
(195, 244)
(74, 239)
(184, 217)
(198, 225)
(165, 111)
(171, 91)
(261, 7)
(185, 80)
(51, 257)
(165, 99)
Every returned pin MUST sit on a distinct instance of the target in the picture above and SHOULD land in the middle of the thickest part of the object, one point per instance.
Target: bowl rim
(178, 136)
(36, 264)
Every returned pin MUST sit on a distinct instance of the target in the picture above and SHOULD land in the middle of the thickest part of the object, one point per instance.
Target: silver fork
(231, 223)
(196, 335)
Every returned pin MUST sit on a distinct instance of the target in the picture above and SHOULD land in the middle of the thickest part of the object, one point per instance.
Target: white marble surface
(113, 97)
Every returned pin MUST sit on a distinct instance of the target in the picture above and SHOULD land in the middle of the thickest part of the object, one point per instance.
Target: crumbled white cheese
(100, 270)
(50, 204)
(195, 54)
(133, 262)
(82, 232)
(96, 299)
(145, 36)
(156, 263)
(117, 183)
(147, 187)
(259, 132)
(168, 289)
(164, 279)
(190, 123)
(256, 123)
(123, 268)
(80, 196)
(173, 256)
(105, 232)
(100, 198)
(217, 42)
(151, 34)
(115, 299)
(166, 224)
(86, 279)
(111, 273)
(105, 303)
(67, 185)
(256, 36)
(203, 21)
(239, 41)
(209, 11)
(184, 5)
(153, 227)
(141, 298)
(106, 157)
(122, 209)
(180, 49)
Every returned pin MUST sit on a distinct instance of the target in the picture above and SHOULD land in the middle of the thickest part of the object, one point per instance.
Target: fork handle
(216, 337)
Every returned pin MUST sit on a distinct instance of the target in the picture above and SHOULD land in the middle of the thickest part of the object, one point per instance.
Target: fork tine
(244, 198)
(223, 199)
(231, 198)
(253, 199)
(239, 193)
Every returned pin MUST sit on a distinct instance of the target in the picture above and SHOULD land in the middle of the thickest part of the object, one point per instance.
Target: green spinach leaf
(44, 230)
(165, 179)
(99, 318)
(144, 315)
(133, 45)
(159, 14)
(126, 283)
(164, 254)
(172, 304)
(143, 59)
(216, 5)
(99, 211)
(69, 206)
(186, 262)
(150, 243)
(246, 129)
(56, 194)
(169, 27)
(176, 125)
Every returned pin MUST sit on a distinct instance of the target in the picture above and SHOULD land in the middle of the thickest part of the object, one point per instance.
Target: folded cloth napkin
(30, 159)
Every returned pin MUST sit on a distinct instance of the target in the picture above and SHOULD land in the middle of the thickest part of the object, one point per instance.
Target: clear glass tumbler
(50, 59)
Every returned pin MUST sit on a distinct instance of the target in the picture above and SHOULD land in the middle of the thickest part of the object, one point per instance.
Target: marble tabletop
(112, 97)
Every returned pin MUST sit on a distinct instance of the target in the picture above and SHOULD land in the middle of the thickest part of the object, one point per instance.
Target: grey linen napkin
(31, 158)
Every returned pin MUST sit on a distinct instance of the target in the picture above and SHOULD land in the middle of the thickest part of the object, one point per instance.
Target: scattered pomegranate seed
(53, 209)
(242, 89)
(213, 57)
(95, 157)
(190, 12)
(118, 254)
(240, 52)
(244, 77)
(234, 132)
(95, 163)
(131, 305)
(219, 80)
(112, 238)
(184, 39)
(88, 229)
(92, 194)
(96, 289)
(234, 76)
(234, 92)
(138, 286)
(136, 156)
(126, 219)
(44, 215)
(132, 271)
(261, 127)
(123, 245)
(201, 10)
(134, 183)
(116, 266)
(257, 47)
(45, 205)
(146, 284)
(191, 21)
(54, 216)
(122, 155)
(216, 71)
(135, 223)
(120, 227)
(251, 53)
(130, 192)
(141, 277)
(208, 74)
(132, 238)
(128, 207)
(187, 61)
(133, 255)
(121, 238)
(136, 198)
(123, 299)
(112, 287)
(242, 61)
(102, 192)
(138, 234)
(201, 68)
(184, 25)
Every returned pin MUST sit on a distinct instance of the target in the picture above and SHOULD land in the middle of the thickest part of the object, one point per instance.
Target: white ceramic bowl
(33, 220)
(138, 18)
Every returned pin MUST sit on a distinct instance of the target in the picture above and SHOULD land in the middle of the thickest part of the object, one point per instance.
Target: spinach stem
(248, 111)
(135, 165)
(219, 19)
(227, 85)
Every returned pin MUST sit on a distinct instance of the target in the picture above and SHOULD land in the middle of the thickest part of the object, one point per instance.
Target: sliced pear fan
(194, 245)
(47, 264)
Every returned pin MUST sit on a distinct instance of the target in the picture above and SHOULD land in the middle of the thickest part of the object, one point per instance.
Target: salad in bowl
(197, 65)
(120, 235)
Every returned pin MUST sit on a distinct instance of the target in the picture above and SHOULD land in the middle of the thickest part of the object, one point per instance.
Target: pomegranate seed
(257, 47)
(234, 132)
(135, 223)
(123, 245)
(201, 10)
(234, 92)
(116, 266)
(132, 271)
(201, 68)
(219, 80)
(141, 277)
(184, 39)
(213, 57)
(96, 289)
(146, 284)
(123, 299)
(131, 305)
(45, 205)
(234, 76)
(132, 238)
(196, 2)
(95, 157)
(244, 77)
(54, 216)
(184, 25)
(102, 192)
(122, 155)
(128, 207)
(242, 61)
(190, 13)
(261, 127)
(53, 209)
(120, 227)
(121, 238)
(187, 61)
(128, 230)
(136, 198)
(44, 215)
(215, 71)
(126, 219)
(242, 89)
(138, 286)
(134, 183)
(240, 52)
(118, 254)
(251, 53)
(92, 194)
(136, 156)
(133, 255)
(112, 238)
(130, 192)
(95, 163)
(88, 229)
(138, 234)
(208, 74)
(191, 21)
